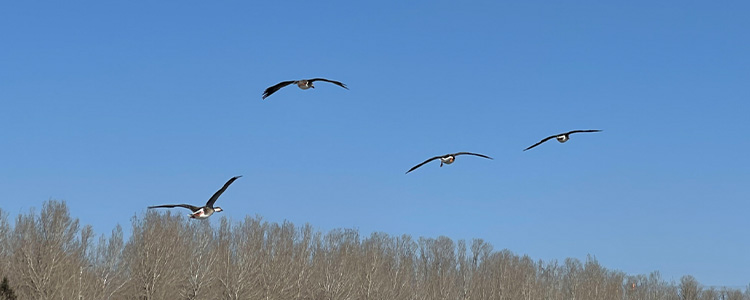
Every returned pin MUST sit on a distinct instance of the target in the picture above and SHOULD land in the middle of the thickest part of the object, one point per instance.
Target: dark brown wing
(216, 195)
(589, 130)
(424, 162)
(276, 87)
(188, 206)
(331, 81)
(469, 153)
(542, 141)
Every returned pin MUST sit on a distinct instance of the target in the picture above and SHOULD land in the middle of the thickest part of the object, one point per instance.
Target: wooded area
(168, 256)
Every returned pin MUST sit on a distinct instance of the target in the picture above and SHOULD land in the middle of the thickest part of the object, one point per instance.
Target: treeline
(51, 256)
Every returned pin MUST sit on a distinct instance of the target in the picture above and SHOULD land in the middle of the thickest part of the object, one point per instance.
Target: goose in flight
(204, 211)
(562, 138)
(447, 159)
(303, 84)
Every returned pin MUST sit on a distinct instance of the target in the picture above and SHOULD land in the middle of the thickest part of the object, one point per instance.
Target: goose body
(563, 138)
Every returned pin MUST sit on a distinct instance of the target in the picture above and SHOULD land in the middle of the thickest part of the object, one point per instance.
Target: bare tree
(155, 256)
(400, 262)
(334, 261)
(465, 270)
(481, 283)
(689, 289)
(48, 256)
(48, 252)
(384, 273)
(572, 279)
(599, 283)
(240, 254)
(199, 260)
(438, 263)
(709, 294)
(5, 243)
(286, 269)
(548, 283)
(730, 294)
(106, 274)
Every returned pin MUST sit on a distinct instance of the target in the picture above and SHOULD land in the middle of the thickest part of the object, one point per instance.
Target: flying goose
(303, 84)
(205, 211)
(447, 159)
(562, 138)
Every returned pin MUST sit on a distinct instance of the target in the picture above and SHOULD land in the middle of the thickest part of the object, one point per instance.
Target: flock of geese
(203, 212)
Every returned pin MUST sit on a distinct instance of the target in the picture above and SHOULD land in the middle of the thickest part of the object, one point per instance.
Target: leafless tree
(5, 243)
(106, 273)
(47, 252)
(399, 260)
(599, 283)
(481, 283)
(709, 294)
(731, 294)
(334, 260)
(286, 269)
(199, 261)
(155, 256)
(437, 264)
(573, 279)
(689, 289)
(240, 254)
(385, 267)
(167, 256)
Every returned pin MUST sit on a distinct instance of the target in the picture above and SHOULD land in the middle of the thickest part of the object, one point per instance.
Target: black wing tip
(266, 94)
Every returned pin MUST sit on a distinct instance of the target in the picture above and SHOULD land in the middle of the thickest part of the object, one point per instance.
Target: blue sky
(113, 107)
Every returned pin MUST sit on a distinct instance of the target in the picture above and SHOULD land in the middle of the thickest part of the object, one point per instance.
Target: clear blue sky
(113, 107)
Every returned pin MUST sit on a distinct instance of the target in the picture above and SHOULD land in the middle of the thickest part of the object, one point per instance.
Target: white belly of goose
(448, 160)
(201, 214)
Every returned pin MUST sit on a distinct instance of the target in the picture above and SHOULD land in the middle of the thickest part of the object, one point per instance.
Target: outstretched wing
(188, 206)
(589, 130)
(469, 153)
(542, 141)
(276, 87)
(424, 162)
(331, 81)
(216, 195)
